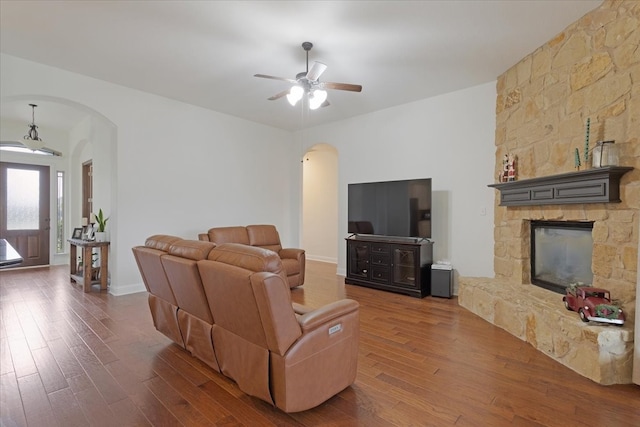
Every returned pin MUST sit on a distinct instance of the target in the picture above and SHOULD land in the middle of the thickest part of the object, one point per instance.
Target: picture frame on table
(77, 233)
(89, 232)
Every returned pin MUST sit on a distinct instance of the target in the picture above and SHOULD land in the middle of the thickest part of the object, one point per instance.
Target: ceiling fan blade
(265, 76)
(342, 86)
(316, 71)
(279, 95)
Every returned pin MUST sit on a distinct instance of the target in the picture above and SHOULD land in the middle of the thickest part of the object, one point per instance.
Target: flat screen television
(390, 208)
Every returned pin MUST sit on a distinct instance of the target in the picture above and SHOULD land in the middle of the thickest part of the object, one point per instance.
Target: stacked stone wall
(589, 71)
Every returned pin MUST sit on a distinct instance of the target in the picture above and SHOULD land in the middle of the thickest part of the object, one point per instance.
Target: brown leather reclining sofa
(262, 236)
(230, 306)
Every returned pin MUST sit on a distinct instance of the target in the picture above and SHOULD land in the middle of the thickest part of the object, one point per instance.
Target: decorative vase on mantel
(604, 154)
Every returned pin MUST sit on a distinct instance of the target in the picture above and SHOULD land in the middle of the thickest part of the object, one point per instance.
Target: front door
(24, 211)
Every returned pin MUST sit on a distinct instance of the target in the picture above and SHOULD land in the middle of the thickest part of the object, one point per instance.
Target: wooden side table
(85, 277)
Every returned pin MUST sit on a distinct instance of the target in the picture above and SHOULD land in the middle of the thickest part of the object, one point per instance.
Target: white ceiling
(206, 52)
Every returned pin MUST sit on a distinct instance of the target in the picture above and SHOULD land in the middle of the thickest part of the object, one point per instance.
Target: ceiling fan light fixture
(31, 140)
(307, 85)
(295, 95)
(317, 98)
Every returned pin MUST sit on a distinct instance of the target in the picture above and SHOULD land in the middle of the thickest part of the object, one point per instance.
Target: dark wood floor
(75, 359)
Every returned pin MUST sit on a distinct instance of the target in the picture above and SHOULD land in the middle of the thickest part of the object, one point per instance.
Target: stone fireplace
(589, 71)
(535, 314)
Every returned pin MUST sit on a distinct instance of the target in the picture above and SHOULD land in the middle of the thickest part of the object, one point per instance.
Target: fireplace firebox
(561, 253)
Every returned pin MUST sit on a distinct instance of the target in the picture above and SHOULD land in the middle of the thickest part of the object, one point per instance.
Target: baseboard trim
(127, 289)
(321, 259)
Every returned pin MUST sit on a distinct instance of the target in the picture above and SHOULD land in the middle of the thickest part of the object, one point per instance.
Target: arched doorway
(78, 132)
(320, 203)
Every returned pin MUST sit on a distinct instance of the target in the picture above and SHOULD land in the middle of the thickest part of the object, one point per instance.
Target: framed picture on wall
(77, 233)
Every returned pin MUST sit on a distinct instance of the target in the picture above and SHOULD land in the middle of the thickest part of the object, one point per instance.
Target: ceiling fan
(307, 83)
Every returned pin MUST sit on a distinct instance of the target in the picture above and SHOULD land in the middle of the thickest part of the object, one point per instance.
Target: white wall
(449, 138)
(78, 151)
(177, 169)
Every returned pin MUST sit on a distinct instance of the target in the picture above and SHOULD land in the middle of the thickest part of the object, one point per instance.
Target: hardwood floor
(73, 359)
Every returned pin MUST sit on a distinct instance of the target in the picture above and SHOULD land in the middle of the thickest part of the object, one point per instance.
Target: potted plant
(101, 221)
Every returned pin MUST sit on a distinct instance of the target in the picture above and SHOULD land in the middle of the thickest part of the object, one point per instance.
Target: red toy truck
(593, 304)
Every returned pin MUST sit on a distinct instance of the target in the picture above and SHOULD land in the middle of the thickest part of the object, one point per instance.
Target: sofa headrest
(220, 235)
(191, 249)
(248, 257)
(161, 242)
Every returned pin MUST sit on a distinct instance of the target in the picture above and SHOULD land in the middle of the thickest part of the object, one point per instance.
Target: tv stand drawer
(380, 274)
(380, 248)
(379, 259)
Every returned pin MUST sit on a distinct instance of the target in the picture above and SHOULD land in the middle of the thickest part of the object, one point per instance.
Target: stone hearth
(590, 71)
(601, 353)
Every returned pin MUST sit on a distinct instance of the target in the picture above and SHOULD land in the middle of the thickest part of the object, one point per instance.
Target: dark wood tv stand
(396, 264)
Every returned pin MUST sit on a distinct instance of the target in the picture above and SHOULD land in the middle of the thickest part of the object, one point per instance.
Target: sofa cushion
(264, 236)
(153, 275)
(291, 266)
(276, 311)
(186, 285)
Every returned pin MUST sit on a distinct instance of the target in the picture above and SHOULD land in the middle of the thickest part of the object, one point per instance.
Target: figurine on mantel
(505, 169)
(508, 168)
(511, 173)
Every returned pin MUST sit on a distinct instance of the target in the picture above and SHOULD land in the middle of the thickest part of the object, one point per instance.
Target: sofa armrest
(301, 309)
(203, 236)
(291, 253)
(327, 313)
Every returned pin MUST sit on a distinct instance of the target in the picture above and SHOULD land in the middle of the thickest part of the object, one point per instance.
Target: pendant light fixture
(31, 140)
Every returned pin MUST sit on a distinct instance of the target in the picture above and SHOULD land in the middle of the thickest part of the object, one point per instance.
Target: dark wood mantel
(596, 185)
